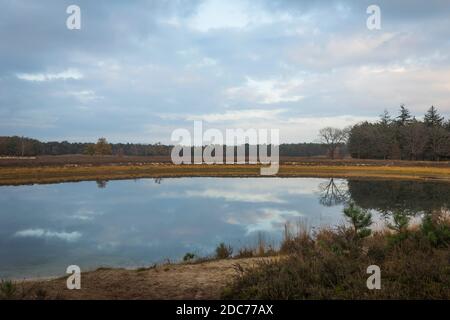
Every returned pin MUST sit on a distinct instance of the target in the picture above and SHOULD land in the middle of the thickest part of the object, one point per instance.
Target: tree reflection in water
(101, 184)
(397, 201)
(411, 197)
(333, 193)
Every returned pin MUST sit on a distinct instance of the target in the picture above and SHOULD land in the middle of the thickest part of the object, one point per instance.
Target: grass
(332, 264)
(53, 174)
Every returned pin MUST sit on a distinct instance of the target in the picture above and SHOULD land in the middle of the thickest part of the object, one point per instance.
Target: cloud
(266, 219)
(39, 77)
(233, 64)
(48, 234)
(235, 115)
(85, 96)
(231, 14)
(234, 196)
(268, 91)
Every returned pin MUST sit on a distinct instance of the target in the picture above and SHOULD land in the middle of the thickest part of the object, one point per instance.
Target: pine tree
(385, 118)
(447, 125)
(405, 116)
(359, 218)
(433, 118)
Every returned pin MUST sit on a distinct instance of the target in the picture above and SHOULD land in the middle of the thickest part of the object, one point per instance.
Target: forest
(24, 147)
(403, 137)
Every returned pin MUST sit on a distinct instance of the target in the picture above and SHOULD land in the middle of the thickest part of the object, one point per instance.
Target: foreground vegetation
(332, 263)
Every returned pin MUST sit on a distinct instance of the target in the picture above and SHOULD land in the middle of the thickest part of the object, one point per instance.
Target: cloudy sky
(137, 70)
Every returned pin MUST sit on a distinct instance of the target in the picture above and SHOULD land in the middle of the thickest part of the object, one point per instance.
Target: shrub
(334, 265)
(360, 219)
(245, 253)
(189, 257)
(8, 289)
(438, 234)
(223, 251)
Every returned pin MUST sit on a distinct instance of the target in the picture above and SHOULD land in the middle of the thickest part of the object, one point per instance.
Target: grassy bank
(332, 263)
(53, 174)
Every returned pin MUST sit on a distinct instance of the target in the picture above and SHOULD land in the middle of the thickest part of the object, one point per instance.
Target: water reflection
(101, 184)
(333, 192)
(412, 197)
(45, 228)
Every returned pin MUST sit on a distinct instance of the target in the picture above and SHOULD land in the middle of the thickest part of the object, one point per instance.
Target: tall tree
(90, 149)
(415, 135)
(333, 137)
(404, 116)
(438, 142)
(433, 118)
(447, 125)
(102, 147)
(385, 118)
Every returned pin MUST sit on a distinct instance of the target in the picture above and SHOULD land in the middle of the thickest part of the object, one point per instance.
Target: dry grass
(332, 264)
(52, 174)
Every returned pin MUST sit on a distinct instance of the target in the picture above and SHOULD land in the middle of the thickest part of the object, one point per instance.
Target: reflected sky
(45, 228)
(130, 223)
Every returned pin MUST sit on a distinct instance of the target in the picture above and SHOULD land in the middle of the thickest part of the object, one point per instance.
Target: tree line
(403, 137)
(25, 147)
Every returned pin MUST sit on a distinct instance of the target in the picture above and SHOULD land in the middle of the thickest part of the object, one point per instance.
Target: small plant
(41, 294)
(360, 219)
(245, 253)
(400, 222)
(189, 257)
(223, 251)
(438, 234)
(8, 289)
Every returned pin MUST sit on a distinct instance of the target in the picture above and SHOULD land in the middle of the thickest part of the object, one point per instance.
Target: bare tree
(333, 137)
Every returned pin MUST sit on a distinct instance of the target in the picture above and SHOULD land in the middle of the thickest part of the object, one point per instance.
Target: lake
(132, 223)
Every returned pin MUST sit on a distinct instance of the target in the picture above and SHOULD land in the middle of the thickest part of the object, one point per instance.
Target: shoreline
(197, 280)
(75, 173)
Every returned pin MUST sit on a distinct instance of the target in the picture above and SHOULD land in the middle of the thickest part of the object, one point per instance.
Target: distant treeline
(21, 146)
(403, 137)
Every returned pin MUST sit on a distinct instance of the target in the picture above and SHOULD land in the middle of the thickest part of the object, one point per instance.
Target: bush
(8, 289)
(223, 251)
(360, 219)
(245, 253)
(334, 265)
(438, 234)
(189, 257)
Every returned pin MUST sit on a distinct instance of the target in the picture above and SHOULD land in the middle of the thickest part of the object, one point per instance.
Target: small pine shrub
(223, 251)
(8, 290)
(189, 257)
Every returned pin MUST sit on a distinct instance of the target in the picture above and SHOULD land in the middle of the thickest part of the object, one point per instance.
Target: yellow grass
(29, 175)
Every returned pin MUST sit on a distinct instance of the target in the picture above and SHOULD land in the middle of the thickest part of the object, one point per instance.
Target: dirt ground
(203, 280)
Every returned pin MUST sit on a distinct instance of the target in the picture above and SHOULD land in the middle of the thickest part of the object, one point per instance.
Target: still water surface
(130, 223)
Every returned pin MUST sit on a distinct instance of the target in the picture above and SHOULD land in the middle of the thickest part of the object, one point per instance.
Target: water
(131, 223)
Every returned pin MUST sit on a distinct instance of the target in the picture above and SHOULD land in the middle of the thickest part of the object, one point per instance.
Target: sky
(138, 70)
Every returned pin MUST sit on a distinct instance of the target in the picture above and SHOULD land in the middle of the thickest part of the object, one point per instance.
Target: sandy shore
(203, 280)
